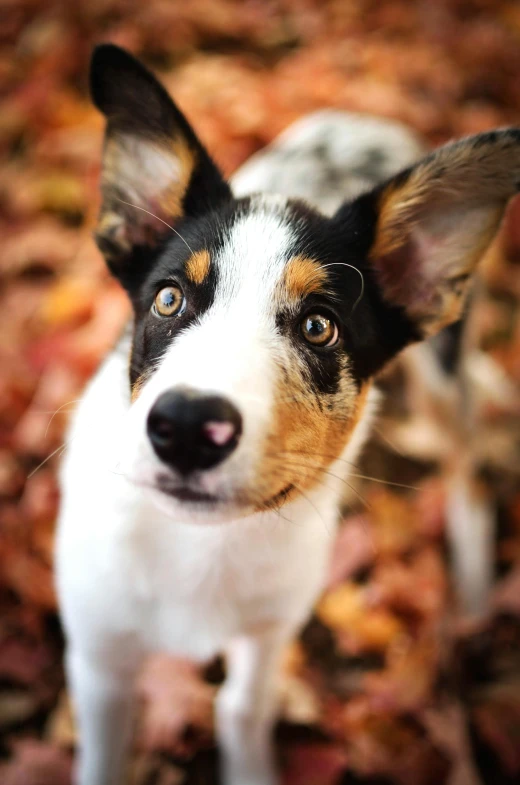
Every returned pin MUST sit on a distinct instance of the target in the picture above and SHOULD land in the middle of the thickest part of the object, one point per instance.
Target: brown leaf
(175, 698)
(354, 549)
(313, 764)
(448, 727)
(360, 626)
(497, 719)
(60, 729)
(36, 763)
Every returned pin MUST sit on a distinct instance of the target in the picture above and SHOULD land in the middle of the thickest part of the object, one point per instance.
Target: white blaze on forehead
(232, 348)
(252, 260)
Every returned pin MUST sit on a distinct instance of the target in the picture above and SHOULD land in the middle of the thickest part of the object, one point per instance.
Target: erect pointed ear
(434, 221)
(154, 168)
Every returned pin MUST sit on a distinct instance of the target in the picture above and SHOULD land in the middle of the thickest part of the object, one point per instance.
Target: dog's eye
(319, 330)
(169, 301)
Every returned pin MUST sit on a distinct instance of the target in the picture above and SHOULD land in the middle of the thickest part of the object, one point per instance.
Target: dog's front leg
(103, 699)
(247, 705)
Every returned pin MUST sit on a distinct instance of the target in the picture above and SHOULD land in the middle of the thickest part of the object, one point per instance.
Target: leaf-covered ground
(387, 684)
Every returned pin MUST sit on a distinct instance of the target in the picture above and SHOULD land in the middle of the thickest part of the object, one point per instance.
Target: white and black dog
(208, 456)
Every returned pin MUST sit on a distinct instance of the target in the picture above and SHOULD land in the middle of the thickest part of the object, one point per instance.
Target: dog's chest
(191, 589)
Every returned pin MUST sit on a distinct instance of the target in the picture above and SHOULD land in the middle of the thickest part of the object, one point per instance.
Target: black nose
(190, 431)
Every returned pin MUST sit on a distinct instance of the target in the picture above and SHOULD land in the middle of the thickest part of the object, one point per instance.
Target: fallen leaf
(175, 699)
(313, 764)
(36, 763)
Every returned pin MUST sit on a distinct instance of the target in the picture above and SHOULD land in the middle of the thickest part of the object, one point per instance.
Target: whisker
(319, 455)
(51, 411)
(384, 482)
(364, 524)
(278, 511)
(388, 441)
(371, 479)
(45, 460)
(319, 468)
(309, 501)
(138, 207)
(352, 488)
(76, 400)
(63, 447)
(351, 474)
(361, 293)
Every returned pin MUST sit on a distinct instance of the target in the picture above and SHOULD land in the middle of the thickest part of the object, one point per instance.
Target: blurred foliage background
(387, 684)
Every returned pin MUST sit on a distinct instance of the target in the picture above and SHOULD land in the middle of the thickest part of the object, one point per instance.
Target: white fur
(133, 580)
(138, 572)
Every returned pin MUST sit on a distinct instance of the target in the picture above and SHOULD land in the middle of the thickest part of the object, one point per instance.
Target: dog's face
(259, 324)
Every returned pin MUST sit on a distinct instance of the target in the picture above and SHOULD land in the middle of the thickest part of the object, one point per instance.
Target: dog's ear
(432, 223)
(155, 170)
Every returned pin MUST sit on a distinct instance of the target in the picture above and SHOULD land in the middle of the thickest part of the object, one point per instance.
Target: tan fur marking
(197, 266)
(171, 200)
(137, 386)
(303, 276)
(306, 438)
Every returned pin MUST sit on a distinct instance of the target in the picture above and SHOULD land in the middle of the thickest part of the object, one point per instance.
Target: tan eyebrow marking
(197, 266)
(304, 276)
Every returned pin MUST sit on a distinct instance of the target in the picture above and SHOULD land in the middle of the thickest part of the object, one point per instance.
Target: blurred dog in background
(209, 456)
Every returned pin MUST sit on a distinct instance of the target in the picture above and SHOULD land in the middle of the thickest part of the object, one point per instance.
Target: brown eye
(319, 330)
(169, 301)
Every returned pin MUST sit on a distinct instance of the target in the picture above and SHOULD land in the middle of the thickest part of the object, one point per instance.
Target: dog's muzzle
(191, 431)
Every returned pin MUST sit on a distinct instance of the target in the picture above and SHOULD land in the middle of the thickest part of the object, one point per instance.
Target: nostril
(219, 433)
(160, 427)
(163, 428)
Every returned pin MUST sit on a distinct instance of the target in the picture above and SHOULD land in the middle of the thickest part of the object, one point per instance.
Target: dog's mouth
(187, 495)
(183, 493)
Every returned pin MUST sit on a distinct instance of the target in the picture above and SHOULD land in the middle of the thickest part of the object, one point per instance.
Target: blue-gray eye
(169, 301)
(319, 330)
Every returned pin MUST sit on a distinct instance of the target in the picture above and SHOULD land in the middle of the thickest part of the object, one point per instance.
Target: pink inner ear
(220, 433)
(443, 243)
(410, 274)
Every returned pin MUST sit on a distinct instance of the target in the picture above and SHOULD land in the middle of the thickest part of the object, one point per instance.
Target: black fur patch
(372, 331)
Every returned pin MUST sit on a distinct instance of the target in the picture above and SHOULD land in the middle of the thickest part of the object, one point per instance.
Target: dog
(208, 457)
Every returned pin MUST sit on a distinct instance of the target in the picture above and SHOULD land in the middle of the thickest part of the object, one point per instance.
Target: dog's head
(259, 323)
